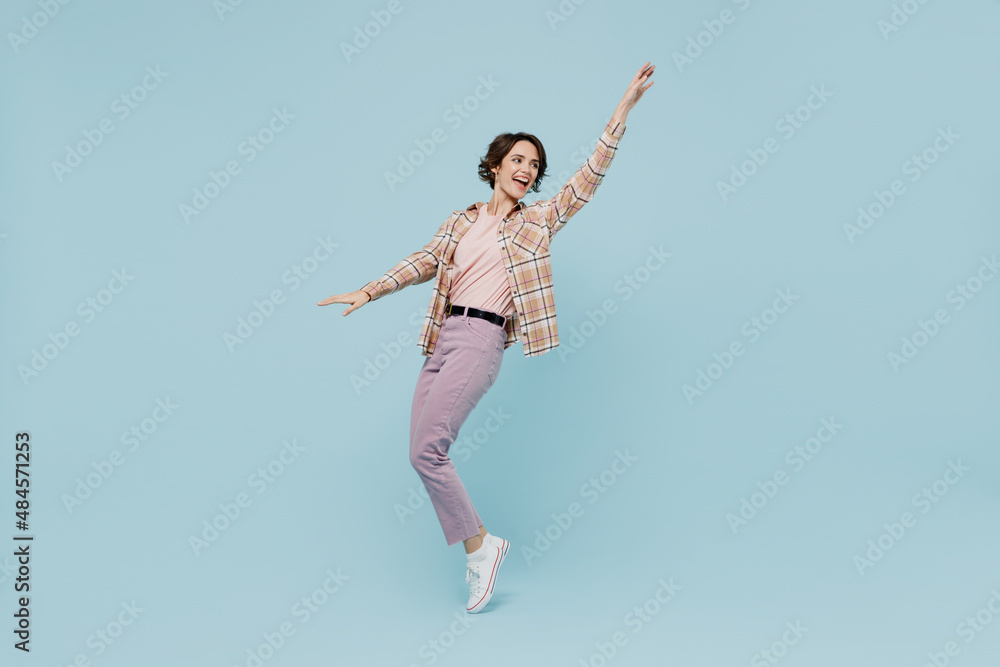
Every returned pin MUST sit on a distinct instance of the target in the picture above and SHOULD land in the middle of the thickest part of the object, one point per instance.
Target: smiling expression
(518, 170)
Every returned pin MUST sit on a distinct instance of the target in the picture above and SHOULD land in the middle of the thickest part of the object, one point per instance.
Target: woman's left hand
(635, 90)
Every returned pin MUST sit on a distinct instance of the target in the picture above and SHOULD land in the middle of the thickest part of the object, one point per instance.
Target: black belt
(452, 309)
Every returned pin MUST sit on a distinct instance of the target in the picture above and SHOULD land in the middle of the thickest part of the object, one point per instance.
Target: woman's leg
(461, 370)
(428, 374)
(473, 543)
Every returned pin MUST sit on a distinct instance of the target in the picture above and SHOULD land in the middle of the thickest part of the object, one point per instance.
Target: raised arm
(584, 183)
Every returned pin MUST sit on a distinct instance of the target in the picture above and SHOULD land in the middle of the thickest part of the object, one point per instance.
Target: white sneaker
(503, 544)
(481, 574)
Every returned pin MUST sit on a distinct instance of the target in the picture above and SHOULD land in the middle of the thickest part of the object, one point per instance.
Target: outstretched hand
(635, 90)
(356, 299)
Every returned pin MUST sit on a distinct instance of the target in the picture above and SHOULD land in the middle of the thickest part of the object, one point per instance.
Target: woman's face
(518, 170)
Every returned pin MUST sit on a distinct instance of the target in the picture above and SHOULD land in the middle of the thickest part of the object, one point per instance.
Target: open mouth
(521, 183)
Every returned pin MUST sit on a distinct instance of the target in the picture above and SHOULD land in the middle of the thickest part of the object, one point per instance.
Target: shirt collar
(475, 207)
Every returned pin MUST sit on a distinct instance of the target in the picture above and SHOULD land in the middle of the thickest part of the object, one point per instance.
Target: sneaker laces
(472, 578)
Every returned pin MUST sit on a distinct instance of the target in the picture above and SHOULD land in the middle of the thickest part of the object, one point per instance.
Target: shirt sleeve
(417, 268)
(581, 187)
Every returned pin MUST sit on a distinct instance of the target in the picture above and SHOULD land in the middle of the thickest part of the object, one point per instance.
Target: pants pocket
(476, 326)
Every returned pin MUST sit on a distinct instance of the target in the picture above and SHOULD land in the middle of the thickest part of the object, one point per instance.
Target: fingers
(643, 75)
(343, 298)
(336, 298)
(641, 78)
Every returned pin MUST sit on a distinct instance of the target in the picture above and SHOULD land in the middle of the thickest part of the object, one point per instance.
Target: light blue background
(335, 506)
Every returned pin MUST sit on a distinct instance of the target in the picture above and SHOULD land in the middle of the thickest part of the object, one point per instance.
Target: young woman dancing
(492, 287)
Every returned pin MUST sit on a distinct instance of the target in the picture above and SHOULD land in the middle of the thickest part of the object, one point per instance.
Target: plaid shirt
(524, 236)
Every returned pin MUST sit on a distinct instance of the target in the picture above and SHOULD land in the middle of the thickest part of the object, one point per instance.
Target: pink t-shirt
(479, 278)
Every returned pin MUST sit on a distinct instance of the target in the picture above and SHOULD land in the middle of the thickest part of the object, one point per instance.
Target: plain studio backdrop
(769, 433)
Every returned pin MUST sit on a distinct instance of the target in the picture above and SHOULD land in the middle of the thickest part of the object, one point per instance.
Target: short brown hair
(498, 150)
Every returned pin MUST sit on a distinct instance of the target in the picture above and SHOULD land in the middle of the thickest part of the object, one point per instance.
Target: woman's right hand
(356, 299)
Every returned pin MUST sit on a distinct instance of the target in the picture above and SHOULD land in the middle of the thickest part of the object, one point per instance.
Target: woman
(493, 286)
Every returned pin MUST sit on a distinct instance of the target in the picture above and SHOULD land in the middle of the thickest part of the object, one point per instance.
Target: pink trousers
(462, 368)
